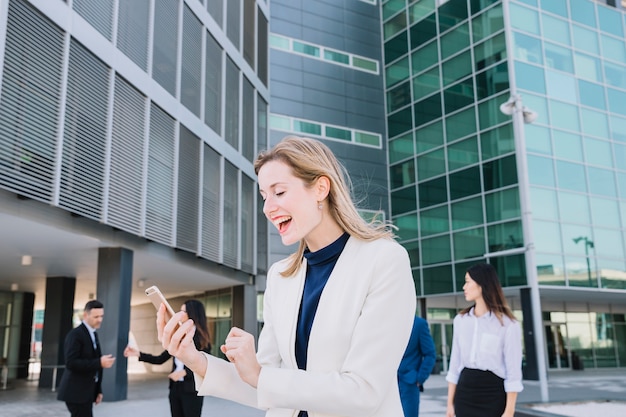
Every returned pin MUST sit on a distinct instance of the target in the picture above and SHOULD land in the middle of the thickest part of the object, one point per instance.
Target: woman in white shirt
(485, 373)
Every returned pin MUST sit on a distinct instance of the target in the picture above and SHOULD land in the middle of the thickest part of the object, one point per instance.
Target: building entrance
(557, 345)
(442, 336)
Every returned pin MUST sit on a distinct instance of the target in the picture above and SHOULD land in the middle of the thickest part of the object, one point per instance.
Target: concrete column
(26, 326)
(115, 272)
(57, 323)
(244, 308)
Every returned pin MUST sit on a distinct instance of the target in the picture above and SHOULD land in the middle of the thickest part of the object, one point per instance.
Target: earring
(320, 205)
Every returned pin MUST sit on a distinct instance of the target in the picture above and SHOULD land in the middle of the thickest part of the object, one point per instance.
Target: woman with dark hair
(485, 373)
(184, 399)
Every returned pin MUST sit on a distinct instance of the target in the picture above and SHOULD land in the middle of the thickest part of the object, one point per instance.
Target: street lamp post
(513, 107)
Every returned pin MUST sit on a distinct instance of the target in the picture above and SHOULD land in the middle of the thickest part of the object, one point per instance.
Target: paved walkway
(147, 396)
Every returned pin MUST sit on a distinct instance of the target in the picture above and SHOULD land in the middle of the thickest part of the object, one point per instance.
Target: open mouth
(282, 223)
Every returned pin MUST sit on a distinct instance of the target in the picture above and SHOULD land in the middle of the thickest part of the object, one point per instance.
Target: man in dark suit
(81, 384)
(415, 368)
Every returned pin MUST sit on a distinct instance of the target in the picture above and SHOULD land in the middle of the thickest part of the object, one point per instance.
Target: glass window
(602, 181)
(396, 47)
(438, 280)
(399, 97)
(423, 31)
(403, 200)
(280, 122)
(456, 68)
(399, 122)
(617, 101)
(413, 250)
(527, 48)
(487, 23)
(490, 51)
(555, 29)
(425, 57)
(598, 152)
(585, 39)
(462, 153)
(391, 7)
(307, 127)
(605, 212)
(397, 72)
(561, 86)
(469, 243)
(620, 155)
(492, 81)
(427, 109)
(436, 250)
(279, 42)
(511, 270)
(524, 19)
(433, 192)
(338, 133)
(407, 227)
(544, 204)
(460, 124)
(540, 105)
(426, 83)
(489, 113)
(559, 57)
(555, 6)
(567, 145)
(465, 183)
(421, 9)
(431, 164)
(547, 236)
(575, 238)
(616, 281)
(505, 236)
(571, 176)
(502, 205)
(336, 56)
(530, 77)
(540, 171)
(500, 173)
(434, 221)
(429, 137)
(608, 243)
(401, 148)
(365, 64)
(587, 67)
(591, 94)
(394, 25)
(306, 49)
(613, 49)
(579, 273)
(564, 116)
(574, 208)
(459, 95)
(583, 11)
(454, 41)
(497, 141)
(618, 128)
(538, 139)
(451, 13)
(467, 213)
(368, 138)
(610, 21)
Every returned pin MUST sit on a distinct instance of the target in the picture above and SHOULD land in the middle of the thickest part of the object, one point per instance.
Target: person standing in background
(416, 365)
(184, 399)
(485, 373)
(81, 383)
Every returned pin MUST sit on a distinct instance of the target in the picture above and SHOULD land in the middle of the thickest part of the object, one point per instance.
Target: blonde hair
(309, 160)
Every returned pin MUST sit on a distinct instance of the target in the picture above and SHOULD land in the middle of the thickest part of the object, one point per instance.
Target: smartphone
(157, 298)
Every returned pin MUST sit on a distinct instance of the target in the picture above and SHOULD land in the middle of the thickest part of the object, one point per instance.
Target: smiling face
(471, 289)
(290, 205)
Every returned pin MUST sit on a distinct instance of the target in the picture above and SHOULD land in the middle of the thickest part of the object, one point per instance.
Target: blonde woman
(338, 312)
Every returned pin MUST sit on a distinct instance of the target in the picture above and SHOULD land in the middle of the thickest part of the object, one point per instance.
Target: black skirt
(479, 394)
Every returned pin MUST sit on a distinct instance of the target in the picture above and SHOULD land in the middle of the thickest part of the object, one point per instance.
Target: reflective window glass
(399, 122)
(613, 49)
(547, 236)
(421, 9)
(307, 127)
(502, 205)
(305, 48)
(489, 113)
(544, 204)
(575, 238)
(579, 271)
(591, 94)
(550, 269)
(397, 72)
(487, 23)
(424, 57)
(598, 152)
(617, 101)
(497, 141)
(567, 145)
(402, 174)
(477, 6)
(452, 13)
(587, 67)
(530, 77)
(454, 41)
(460, 124)
(456, 68)
(392, 7)
(618, 128)
(465, 183)
(469, 243)
(437, 280)
(574, 208)
(538, 139)
(463, 153)
(559, 57)
(585, 39)
(620, 155)
(427, 109)
(608, 243)
(490, 51)
(436, 250)
(615, 280)
(407, 228)
(394, 25)
(539, 104)
(571, 176)
(433, 192)
(429, 137)
(338, 133)
(413, 250)
(426, 83)
(505, 236)
(431, 164)
(540, 171)
(605, 212)
(500, 173)
(492, 81)
(401, 148)
(459, 95)
(396, 47)
(610, 21)
(467, 213)
(555, 6)
(595, 123)
(561, 86)
(403, 200)
(524, 19)
(423, 31)
(583, 11)
(399, 97)
(564, 116)
(434, 221)
(602, 182)
(527, 48)
(555, 29)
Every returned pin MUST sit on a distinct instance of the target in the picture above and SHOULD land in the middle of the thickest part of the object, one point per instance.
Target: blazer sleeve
(427, 352)
(77, 343)
(155, 359)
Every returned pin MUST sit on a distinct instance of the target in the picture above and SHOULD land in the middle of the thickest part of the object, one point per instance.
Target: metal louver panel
(248, 218)
(191, 62)
(132, 30)
(85, 133)
(231, 214)
(248, 149)
(160, 183)
(231, 111)
(213, 85)
(211, 213)
(29, 102)
(188, 183)
(165, 44)
(98, 14)
(125, 203)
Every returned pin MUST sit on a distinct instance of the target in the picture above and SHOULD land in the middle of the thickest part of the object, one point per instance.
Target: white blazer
(359, 334)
